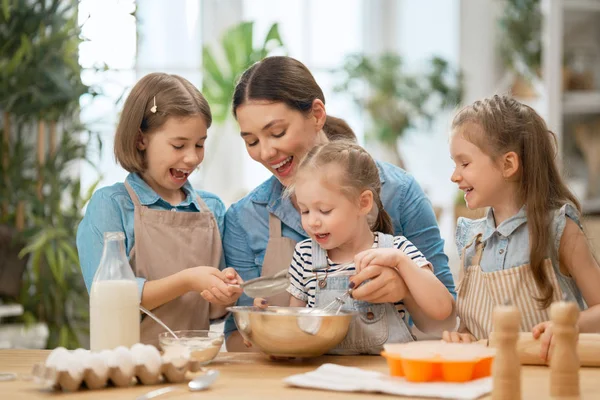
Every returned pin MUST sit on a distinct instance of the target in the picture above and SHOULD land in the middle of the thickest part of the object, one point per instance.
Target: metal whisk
(336, 305)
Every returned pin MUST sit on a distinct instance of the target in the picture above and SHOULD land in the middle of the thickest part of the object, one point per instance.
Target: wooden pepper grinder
(506, 369)
(564, 360)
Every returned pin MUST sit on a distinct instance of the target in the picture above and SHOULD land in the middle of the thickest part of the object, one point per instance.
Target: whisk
(336, 305)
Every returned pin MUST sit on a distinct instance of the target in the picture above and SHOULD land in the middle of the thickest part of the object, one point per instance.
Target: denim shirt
(247, 225)
(507, 245)
(111, 210)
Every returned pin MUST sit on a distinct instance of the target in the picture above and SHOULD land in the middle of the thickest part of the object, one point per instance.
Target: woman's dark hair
(286, 80)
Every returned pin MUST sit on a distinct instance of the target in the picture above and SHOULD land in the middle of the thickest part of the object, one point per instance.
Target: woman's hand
(217, 287)
(385, 285)
(458, 337)
(543, 332)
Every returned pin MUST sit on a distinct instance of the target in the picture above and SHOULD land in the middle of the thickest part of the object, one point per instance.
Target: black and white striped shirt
(303, 279)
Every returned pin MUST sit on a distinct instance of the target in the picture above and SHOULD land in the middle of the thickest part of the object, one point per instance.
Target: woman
(281, 113)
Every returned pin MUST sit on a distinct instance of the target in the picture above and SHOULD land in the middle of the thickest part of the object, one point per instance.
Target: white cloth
(350, 379)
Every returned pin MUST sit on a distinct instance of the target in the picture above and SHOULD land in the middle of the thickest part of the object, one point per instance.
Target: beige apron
(278, 257)
(478, 292)
(167, 242)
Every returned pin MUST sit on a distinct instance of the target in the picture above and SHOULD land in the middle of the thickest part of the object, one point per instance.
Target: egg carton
(71, 370)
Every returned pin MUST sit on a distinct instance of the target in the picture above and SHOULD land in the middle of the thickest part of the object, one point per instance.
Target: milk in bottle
(114, 298)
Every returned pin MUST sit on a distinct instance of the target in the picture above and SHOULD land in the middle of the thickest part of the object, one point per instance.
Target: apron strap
(478, 251)
(133, 195)
(462, 272)
(385, 241)
(136, 204)
(202, 204)
(319, 256)
(274, 226)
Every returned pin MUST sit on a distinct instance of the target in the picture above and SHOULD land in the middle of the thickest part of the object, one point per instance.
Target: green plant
(42, 144)
(237, 45)
(521, 38)
(395, 98)
(53, 289)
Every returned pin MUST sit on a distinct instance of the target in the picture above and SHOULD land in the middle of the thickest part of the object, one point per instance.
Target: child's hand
(381, 257)
(543, 331)
(458, 337)
(215, 286)
(261, 303)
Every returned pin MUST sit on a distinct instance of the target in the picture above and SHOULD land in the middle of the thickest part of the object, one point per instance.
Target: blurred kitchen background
(395, 70)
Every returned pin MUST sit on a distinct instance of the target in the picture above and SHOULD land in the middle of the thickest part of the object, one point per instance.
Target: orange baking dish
(439, 361)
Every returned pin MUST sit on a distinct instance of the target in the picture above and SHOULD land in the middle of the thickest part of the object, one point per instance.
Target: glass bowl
(201, 346)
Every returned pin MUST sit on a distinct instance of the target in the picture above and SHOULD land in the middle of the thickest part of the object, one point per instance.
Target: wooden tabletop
(252, 376)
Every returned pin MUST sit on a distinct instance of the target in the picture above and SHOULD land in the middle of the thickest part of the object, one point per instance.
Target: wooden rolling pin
(528, 348)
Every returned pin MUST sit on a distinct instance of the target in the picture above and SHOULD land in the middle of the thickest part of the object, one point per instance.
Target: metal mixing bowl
(291, 331)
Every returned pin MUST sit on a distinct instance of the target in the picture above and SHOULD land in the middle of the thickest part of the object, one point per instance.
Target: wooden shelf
(582, 5)
(582, 102)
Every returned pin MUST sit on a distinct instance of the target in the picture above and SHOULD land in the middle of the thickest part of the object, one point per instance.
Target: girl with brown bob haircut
(530, 249)
(172, 232)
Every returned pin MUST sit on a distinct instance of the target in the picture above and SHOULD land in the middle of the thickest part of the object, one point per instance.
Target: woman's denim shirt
(111, 210)
(507, 245)
(247, 225)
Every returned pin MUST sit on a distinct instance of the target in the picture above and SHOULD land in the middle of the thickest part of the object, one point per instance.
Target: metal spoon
(266, 286)
(199, 383)
(154, 317)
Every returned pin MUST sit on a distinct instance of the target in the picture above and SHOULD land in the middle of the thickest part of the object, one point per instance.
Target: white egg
(137, 348)
(97, 363)
(149, 356)
(81, 352)
(75, 369)
(56, 356)
(122, 358)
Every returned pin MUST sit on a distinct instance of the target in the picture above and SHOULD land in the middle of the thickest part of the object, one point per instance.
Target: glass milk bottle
(114, 298)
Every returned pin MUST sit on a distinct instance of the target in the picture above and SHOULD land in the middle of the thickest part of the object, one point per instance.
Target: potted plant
(395, 98)
(222, 66)
(521, 44)
(237, 45)
(40, 87)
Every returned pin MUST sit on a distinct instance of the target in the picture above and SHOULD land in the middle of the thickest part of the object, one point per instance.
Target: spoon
(266, 286)
(154, 317)
(199, 383)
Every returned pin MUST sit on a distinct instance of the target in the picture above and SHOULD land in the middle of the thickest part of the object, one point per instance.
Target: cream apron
(478, 292)
(167, 242)
(278, 257)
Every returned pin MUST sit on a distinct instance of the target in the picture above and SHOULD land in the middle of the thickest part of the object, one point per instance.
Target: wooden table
(252, 376)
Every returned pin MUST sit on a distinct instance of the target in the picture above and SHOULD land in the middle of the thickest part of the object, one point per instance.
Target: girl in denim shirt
(337, 189)
(530, 248)
(169, 227)
(280, 109)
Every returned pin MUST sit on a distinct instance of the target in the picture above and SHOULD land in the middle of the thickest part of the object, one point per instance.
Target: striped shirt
(303, 279)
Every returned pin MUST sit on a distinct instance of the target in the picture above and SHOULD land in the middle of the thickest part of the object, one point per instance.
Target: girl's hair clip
(153, 109)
